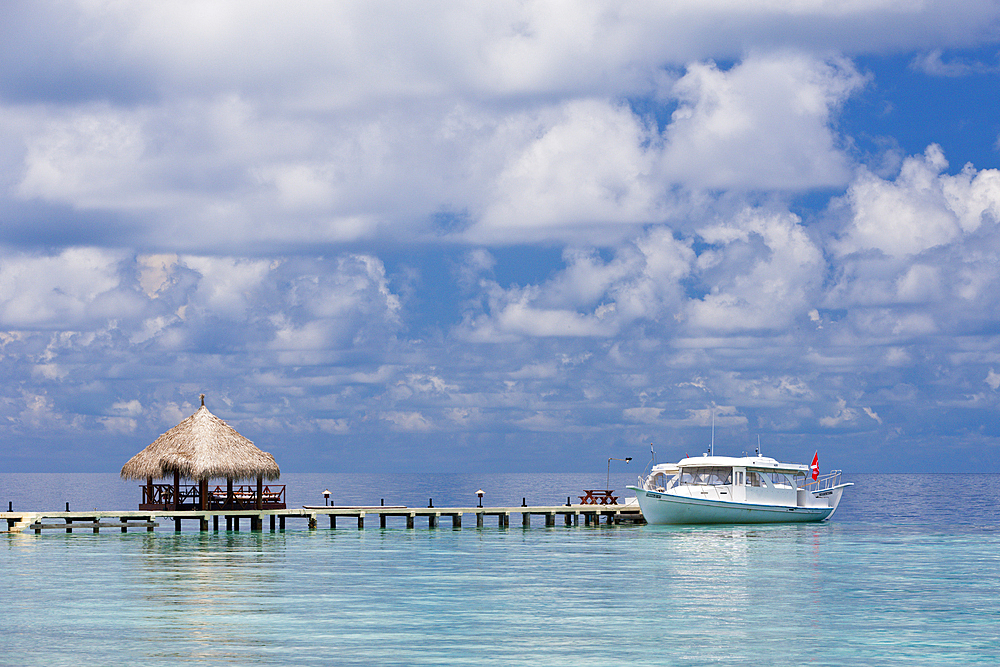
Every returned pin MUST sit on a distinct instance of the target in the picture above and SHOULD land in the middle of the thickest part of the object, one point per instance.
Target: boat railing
(827, 481)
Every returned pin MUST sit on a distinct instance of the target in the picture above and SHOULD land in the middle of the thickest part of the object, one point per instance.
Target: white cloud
(843, 415)
(643, 415)
(756, 290)
(77, 288)
(932, 63)
(922, 209)
(871, 413)
(588, 167)
(407, 421)
(294, 190)
(764, 124)
(993, 379)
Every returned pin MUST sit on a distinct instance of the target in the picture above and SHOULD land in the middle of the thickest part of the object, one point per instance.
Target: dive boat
(726, 489)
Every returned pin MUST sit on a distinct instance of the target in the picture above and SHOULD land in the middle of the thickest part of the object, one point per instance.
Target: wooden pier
(314, 517)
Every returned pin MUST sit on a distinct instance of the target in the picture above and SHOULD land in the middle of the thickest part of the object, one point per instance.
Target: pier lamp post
(607, 483)
(326, 497)
(480, 494)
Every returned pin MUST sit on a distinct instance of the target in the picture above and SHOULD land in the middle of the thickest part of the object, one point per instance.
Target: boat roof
(753, 462)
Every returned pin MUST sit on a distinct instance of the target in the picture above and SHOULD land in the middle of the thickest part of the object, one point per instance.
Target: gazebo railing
(161, 496)
(245, 497)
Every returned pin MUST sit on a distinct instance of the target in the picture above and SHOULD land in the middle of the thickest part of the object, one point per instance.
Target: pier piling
(71, 522)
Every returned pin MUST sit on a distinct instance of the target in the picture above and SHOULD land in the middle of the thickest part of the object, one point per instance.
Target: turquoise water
(888, 581)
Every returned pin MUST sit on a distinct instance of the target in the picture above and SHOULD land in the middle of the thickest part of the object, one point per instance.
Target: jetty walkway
(312, 517)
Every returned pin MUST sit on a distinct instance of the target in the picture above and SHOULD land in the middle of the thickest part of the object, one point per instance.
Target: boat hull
(662, 509)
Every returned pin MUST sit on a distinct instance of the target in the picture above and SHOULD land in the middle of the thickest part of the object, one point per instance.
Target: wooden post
(260, 492)
(409, 520)
(479, 519)
(381, 520)
(456, 520)
(525, 519)
(177, 490)
(229, 493)
(272, 523)
(215, 522)
(333, 521)
(203, 490)
(361, 520)
(149, 491)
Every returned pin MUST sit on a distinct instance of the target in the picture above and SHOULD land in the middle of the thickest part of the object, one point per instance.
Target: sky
(506, 236)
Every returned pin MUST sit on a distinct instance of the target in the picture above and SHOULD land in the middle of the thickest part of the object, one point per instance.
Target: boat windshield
(709, 476)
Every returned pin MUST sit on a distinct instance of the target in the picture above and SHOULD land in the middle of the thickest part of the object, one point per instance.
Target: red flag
(815, 466)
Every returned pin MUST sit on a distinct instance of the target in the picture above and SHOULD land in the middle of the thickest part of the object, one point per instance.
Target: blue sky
(521, 236)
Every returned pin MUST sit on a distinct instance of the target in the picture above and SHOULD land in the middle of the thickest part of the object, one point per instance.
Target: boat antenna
(758, 444)
(711, 446)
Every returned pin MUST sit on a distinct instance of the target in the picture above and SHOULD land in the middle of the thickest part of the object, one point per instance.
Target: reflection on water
(872, 587)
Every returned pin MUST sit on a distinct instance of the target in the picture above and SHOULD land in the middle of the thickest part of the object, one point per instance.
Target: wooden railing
(245, 497)
(161, 496)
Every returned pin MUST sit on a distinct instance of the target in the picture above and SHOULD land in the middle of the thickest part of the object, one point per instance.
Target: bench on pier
(598, 497)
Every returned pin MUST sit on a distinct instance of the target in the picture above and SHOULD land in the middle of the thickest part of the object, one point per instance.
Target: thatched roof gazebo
(200, 448)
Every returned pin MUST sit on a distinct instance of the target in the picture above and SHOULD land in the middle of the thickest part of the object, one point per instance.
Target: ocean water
(907, 572)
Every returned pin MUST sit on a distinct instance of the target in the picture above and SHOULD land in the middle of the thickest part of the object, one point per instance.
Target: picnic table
(598, 497)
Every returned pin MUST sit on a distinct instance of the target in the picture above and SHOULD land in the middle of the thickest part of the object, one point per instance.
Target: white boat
(726, 489)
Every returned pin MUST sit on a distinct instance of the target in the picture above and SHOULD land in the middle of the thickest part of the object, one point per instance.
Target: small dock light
(326, 497)
(607, 482)
(480, 494)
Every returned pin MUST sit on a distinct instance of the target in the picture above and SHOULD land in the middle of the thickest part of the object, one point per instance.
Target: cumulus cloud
(591, 297)
(921, 209)
(590, 166)
(764, 124)
(764, 272)
(551, 226)
(78, 288)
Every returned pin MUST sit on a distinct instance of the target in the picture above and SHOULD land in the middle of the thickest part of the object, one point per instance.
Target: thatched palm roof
(201, 447)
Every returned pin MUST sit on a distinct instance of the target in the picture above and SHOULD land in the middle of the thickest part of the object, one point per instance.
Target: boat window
(708, 476)
(781, 480)
(661, 481)
(800, 479)
(754, 478)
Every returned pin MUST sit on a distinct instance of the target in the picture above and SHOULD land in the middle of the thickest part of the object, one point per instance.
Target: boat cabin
(760, 480)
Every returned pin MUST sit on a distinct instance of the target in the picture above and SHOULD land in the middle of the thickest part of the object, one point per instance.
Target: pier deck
(19, 522)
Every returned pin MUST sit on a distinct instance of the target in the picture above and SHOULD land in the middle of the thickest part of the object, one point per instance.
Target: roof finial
(203, 400)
